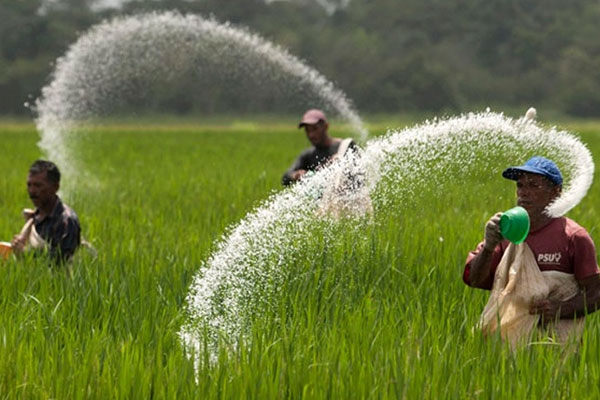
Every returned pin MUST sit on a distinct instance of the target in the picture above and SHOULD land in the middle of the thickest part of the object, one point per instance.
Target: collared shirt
(61, 230)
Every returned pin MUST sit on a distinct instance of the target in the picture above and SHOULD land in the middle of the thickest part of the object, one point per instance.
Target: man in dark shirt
(55, 223)
(324, 147)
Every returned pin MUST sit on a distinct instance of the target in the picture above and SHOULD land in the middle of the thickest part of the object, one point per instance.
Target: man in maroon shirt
(558, 244)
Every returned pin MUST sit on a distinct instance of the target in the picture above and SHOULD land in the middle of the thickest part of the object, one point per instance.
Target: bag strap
(26, 230)
(343, 147)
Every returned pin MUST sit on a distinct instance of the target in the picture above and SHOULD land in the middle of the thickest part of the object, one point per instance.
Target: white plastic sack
(518, 284)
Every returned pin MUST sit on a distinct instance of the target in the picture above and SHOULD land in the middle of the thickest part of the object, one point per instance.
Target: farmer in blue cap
(558, 244)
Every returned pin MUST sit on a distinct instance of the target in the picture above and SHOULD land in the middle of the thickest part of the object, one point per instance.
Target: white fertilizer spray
(249, 263)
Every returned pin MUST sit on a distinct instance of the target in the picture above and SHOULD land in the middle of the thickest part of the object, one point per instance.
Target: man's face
(317, 133)
(41, 191)
(535, 192)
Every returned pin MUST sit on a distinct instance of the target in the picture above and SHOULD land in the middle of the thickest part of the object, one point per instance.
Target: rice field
(381, 313)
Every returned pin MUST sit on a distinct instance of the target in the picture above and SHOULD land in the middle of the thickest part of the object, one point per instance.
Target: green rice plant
(378, 312)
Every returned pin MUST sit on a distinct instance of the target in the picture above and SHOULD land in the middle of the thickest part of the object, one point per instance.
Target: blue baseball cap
(536, 165)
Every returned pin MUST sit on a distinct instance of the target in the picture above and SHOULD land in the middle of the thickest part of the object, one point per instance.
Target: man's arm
(481, 265)
(295, 172)
(587, 275)
(587, 301)
(19, 241)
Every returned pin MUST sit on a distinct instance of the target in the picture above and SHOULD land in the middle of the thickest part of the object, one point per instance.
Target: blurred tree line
(387, 55)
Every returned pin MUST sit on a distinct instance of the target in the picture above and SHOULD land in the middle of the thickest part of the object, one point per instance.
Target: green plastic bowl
(514, 225)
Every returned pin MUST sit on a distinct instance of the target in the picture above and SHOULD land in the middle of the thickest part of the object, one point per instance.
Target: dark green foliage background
(387, 55)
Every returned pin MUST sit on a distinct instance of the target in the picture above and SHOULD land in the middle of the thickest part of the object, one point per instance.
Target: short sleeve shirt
(61, 230)
(561, 245)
